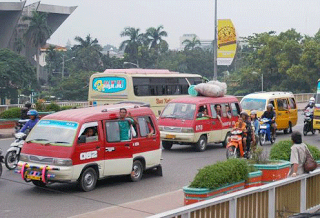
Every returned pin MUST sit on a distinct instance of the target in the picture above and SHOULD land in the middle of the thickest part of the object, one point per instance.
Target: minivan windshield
(253, 104)
(179, 111)
(53, 132)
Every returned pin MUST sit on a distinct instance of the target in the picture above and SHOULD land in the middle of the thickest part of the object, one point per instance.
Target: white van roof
(267, 95)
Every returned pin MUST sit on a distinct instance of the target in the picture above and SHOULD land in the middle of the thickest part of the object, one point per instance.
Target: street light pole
(215, 47)
(62, 73)
(262, 82)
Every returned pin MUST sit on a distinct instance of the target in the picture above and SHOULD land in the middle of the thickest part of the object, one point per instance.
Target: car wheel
(39, 183)
(201, 144)
(290, 127)
(225, 142)
(167, 145)
(88, 179)
(137, 171)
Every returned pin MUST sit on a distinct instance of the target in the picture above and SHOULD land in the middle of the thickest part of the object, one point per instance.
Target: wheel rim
(88, 180)
(12, 160)
(202, 144)
(136, 171)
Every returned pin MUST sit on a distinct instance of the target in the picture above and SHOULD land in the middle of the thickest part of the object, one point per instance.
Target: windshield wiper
(60, 142)
(36, 140)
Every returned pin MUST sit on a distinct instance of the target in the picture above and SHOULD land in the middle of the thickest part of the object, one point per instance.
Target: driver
(33, 115)
(270, 114)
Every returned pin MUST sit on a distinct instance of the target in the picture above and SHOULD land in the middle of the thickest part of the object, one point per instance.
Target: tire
(305, 130)
(0, 169)
(39, 183)
(88, 179)
(11, 160)
(231, 152)
(167, 145)
(273, 139)
(290, 127)
(285, 131)
(201, 144)
(225, 142)
(262, 139)
(137, 171)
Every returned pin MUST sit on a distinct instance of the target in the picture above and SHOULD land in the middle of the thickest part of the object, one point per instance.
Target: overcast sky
(105, 19)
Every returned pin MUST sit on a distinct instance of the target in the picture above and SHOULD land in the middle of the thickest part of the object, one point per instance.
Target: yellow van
(284, 105)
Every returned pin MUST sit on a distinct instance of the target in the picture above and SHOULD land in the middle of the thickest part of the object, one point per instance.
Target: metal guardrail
(277, 199)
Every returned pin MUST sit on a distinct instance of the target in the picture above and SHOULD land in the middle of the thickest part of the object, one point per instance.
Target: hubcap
(88, 179)
(136, 171)
(202, 144)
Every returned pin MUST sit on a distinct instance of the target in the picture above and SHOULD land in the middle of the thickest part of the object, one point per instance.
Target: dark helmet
(28, 104)
(244, 113)
(270, 106)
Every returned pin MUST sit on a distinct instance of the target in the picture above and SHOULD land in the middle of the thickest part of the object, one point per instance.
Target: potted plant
(272, 170)
(216, 180)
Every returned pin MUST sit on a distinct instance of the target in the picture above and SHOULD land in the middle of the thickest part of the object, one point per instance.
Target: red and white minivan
(60, 148)
(180, 121)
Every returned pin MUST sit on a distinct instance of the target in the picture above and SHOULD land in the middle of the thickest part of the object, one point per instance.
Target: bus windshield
(179, 111)
(253, 104)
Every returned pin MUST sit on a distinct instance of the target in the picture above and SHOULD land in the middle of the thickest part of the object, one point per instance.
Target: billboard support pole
(215, 47)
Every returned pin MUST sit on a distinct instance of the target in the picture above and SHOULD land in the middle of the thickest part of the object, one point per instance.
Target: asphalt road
(20, 199)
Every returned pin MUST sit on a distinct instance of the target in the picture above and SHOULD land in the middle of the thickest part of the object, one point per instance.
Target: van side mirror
(82, 139)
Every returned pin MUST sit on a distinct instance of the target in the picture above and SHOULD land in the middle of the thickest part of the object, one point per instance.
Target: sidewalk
(141, 208)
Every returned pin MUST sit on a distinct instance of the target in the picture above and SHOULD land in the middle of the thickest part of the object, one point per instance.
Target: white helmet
(312, 100)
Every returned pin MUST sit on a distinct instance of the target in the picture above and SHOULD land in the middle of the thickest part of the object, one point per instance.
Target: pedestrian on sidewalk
(298, 154)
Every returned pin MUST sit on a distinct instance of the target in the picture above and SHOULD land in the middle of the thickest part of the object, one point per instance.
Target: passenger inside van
(217, 107)
(203, 113)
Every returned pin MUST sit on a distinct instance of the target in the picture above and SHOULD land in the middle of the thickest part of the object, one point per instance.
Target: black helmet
(28, 104)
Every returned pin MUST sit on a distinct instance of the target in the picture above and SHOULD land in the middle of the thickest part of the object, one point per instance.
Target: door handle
(97, 147)
(127, 145)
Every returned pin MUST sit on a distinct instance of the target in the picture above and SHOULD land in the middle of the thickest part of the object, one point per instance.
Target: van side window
(282, 104)
(145, 126)
(90, 131)
(292, 103)
(235, 109)
(118, 131)
(213, 111)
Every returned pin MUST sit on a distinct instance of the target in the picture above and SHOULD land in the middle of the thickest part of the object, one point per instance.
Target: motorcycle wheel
(262, 139)
(305, 130)
(272, 139)
(231, 152)
(11, 160)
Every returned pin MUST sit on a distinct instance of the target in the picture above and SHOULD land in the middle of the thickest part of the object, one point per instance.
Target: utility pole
(215, 47)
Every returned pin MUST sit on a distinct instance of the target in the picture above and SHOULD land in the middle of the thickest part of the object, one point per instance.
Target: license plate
(263, 127)
(34, 177)
(170, 136)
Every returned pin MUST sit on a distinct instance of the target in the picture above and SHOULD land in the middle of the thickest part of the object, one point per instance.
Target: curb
(7, 135)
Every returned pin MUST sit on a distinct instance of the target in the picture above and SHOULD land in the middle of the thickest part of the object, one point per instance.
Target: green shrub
(52, 107)
(282, 151)
(66, 107)
(221, 173)
(11, 113)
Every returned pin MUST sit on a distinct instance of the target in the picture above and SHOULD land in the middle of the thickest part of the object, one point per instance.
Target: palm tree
(88, 42)
(131, 45)
(191, 44)
(19, 44)
(155, 36)
(38, 33)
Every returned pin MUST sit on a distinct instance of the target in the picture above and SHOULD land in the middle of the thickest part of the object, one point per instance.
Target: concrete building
(13, 27)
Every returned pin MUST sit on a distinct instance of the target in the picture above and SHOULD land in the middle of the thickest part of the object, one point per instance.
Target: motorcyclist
(310, 104)
(270, 114)
(33, 115)
(241, 125)
(249, 129)
(24, 111)
(256, 125)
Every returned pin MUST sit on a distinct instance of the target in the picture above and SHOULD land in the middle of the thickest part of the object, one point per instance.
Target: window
(282, 104)
(235, 109)
(118, 131)
(179, 111)
(213, 111)
(253, 104)
(145, 126)
(153, 86)
(292, 103)
(90, 131)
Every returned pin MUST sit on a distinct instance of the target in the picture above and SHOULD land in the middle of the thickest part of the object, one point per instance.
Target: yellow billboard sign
(227, 42)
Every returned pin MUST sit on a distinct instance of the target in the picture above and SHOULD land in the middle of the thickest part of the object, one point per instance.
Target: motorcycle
(308, 122)
(234, 146)
(13, 153)
(20, 124)
(1, 161)
(265, 132)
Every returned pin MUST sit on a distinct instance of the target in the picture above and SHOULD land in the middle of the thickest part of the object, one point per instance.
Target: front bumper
(44, 173)
(178, 137)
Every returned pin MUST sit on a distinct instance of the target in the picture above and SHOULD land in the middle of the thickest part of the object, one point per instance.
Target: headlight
(24, 157)
(62, 162)
(187, 130)
(161, 128)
